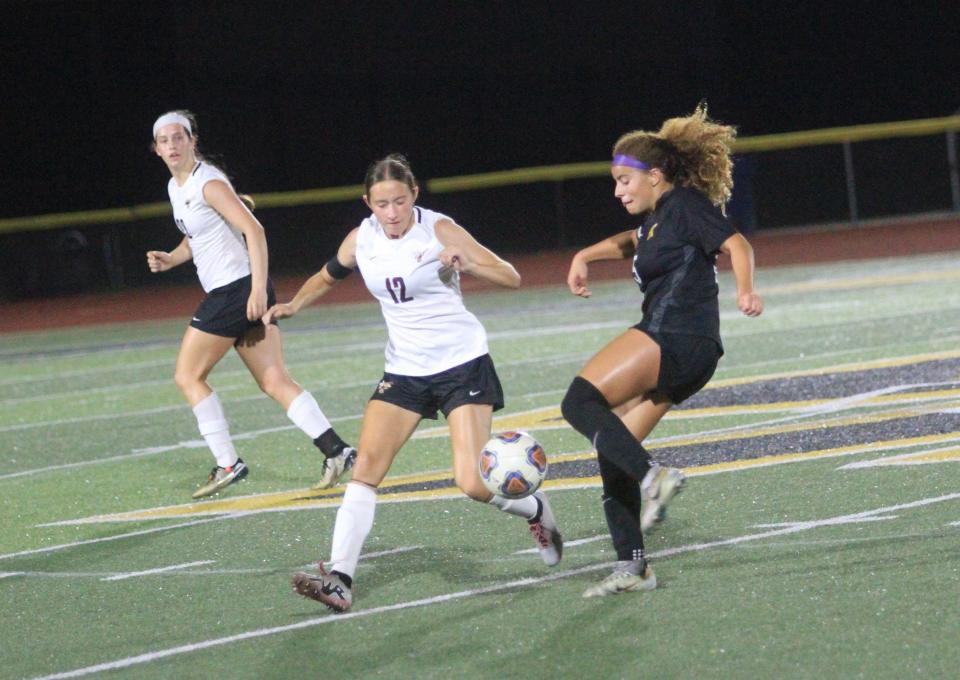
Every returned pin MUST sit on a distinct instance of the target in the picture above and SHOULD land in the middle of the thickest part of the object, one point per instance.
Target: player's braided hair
(690, 151)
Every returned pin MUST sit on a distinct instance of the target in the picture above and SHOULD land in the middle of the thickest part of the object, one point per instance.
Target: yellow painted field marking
(947, 455)
(550, 418)
(839, 368)
(306, 499)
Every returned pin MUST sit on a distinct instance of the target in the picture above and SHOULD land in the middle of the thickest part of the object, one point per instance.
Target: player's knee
(579, 401)
(185, 380)
(274, 382)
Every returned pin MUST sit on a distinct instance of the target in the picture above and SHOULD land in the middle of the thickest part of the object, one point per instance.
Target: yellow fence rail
(551, 173)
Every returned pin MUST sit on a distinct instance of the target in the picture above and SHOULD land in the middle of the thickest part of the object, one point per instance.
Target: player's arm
(160, 261)
(741, 258)
(318, 285)
(463, 253)
(225, 201)
(617, 247)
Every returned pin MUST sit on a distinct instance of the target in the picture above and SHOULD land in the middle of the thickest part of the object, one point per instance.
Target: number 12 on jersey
(397, 289)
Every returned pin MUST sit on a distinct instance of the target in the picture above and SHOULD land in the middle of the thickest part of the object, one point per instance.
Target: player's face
(392, 204)
(175, 146)
(634, 188)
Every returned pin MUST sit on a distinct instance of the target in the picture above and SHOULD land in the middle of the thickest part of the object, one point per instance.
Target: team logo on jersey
(420, 255)
(383, 386)
(187, 202)
(650, 233)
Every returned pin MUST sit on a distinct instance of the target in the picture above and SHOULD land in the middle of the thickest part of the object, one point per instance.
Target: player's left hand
(256, 304)
(455, 258)
(750, 304)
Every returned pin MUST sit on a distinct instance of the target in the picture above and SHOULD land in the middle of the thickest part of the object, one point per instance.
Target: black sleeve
(337, 270)
(705, 226)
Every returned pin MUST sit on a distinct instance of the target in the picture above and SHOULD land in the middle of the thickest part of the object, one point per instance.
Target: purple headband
(630, 162)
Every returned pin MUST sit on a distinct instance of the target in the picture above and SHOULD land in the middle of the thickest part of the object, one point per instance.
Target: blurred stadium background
(839, 178)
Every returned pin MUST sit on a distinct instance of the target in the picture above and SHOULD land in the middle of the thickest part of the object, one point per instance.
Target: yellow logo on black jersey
(650, 233)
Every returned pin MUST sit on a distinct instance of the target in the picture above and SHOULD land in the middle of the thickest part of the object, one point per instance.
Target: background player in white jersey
(436, 358)
(229, 248)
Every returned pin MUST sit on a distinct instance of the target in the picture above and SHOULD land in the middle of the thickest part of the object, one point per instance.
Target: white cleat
(221, 477)
(623, 581)
(658, 488)
(546, 533)
(336, 467)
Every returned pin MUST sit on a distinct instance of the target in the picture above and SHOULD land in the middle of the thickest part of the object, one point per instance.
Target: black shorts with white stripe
(224, 311)
(473, 382)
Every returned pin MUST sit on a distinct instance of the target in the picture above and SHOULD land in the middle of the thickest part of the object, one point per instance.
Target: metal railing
(843, 136)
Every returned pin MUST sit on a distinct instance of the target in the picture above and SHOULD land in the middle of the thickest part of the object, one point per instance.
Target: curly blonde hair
(690, 151)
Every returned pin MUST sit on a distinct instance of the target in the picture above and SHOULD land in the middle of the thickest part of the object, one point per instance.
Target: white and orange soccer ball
(513, 464)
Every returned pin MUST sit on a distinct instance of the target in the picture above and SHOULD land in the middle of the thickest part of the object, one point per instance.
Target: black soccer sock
(536, 518)
(347, 580)
(330, 443)
(624, 530)
(586, 409)
(618, 484)
(621, 506)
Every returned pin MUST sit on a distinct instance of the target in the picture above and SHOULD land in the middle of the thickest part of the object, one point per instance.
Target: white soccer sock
(354, 521)
(305, 413)
(522, 507)
(215, 430)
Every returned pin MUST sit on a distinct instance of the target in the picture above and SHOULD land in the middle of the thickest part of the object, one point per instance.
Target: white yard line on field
(185, 570)
(148, 657)
(129, 534)
(153, 450)
(157, 570)
(81, 372)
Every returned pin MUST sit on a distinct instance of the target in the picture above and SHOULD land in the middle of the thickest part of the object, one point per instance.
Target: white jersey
(429, 328)
(219, 250)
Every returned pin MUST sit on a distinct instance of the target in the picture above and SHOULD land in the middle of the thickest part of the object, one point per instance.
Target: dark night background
(296, 95)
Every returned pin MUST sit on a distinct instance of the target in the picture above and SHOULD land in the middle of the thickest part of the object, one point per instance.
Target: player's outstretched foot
(623, 580)
(336, 467)
(659, 487)
(547, 534)
(327, 588)
(221, 477)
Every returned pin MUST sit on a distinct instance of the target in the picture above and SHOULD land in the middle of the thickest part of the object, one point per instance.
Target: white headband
(172, 117)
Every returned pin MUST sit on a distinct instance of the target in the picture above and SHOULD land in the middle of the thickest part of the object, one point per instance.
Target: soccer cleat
(326, 588)
(546, 533)
(221, 477)
(623, 581)
(664, 484)
(335, 467)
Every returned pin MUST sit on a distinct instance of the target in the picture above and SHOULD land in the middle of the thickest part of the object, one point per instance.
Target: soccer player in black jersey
(676, 181)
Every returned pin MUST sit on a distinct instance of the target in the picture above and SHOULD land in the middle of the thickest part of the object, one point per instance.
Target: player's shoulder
(689, 202)
(430, 218)
(689, 198)
(205, 172)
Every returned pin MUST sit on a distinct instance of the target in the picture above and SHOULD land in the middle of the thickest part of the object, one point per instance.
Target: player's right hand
(577, 278)
(158, 261)
(281, 310)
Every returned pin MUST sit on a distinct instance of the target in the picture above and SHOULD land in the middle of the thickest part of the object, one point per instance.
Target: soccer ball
(513, 465)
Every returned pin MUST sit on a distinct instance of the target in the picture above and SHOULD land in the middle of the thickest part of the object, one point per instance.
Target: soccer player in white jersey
(228, 246)
(436, 359)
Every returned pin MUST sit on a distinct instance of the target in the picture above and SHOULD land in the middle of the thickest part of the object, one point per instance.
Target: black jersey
(676, 264)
